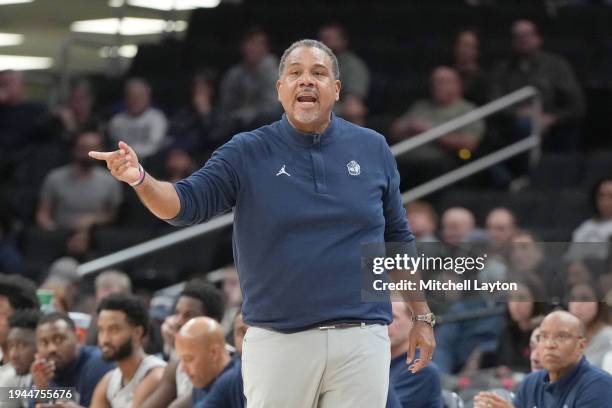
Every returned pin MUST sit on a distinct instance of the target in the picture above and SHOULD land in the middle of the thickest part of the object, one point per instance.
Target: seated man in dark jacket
(568, 380)
(62, 362)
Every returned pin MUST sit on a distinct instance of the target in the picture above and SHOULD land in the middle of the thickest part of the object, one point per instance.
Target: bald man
(228, 391)
(200, 346)
(568, 380)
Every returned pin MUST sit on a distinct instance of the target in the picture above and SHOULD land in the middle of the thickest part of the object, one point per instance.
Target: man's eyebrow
(316, 65)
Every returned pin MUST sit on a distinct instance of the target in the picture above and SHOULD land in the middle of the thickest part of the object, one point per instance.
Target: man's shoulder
(154, 114)
(92, 359)
(59, 174)
(552, 59)
(464, 105)
(349, 57)
(231, 376)
(363, 133)
(595, 376)
(532, 380)
(257, 136)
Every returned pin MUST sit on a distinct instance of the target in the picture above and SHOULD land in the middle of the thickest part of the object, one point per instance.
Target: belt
(342, 325)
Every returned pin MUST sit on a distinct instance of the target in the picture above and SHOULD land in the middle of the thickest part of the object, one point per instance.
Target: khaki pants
(331, 368)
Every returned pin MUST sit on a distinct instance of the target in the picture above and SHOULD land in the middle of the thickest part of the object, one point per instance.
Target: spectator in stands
(586, 304)
(19, 119)
(61, 362)
(21, 346)
(562, 98)
(423, 220)
(200, 345)
(524, 312)
(11, 260)
(141, 125)
(354, 74)
(567, 379)
(110, 282)
(123, 322)
(527, 259)
(76, 115)
(178, 164)
(64, 280)
(198, 298)
(534, 355)
(501, 226)
(79, 195)
(446, 103)
(228, 390)
(467, 340)
(458, 226)
(195, 127)
(248, 91)
(16, 293)
(107, 283)
(422, 389)
(475, 81)
(597, 229)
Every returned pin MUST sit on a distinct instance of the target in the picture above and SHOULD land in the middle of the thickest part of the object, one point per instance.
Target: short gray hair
(311, 44)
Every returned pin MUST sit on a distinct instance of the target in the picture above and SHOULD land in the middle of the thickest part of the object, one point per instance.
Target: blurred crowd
(181, 346)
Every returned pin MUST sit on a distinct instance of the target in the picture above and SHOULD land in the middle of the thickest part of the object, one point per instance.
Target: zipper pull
(316, 139)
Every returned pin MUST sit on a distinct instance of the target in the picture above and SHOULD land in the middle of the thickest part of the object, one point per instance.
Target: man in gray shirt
(80, 194)
(563, 103)
(248, 89)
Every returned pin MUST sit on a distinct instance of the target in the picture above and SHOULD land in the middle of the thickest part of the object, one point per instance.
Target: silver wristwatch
(428, 318)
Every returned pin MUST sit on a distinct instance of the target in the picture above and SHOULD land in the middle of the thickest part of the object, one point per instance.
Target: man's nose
(306, 79)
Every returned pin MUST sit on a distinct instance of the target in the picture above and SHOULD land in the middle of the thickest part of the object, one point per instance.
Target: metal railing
(530, 143)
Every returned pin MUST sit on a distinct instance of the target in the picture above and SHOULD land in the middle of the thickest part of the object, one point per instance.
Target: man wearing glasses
(567, 380)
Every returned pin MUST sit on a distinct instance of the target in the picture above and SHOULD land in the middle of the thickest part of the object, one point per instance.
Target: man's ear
(140, 332)
(582, 343)
(278, 85)
(338, 86)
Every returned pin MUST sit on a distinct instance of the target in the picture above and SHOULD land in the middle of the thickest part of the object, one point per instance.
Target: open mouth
(307, 99)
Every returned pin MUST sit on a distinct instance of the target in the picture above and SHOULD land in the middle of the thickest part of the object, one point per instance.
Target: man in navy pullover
(568, 380)
(308, 191)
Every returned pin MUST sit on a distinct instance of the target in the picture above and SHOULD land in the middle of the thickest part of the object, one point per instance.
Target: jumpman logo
(283, 171)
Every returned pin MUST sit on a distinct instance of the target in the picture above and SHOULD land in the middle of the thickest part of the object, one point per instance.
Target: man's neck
(315, 130)
(557, 375)
(445, 104)
(225, 360)
(129, 365)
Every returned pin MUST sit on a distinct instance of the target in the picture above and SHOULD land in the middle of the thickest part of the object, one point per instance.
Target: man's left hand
(421, 337)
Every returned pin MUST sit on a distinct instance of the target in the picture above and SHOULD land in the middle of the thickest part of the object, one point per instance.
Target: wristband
(141, 178)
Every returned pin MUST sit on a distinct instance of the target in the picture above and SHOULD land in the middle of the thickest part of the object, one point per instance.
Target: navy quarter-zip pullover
(304, 205)
(584, 386)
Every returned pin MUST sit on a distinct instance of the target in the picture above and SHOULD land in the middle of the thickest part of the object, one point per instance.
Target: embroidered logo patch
(354, 169)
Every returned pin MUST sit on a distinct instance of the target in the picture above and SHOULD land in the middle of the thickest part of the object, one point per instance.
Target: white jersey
(120, 396)
(183, 383)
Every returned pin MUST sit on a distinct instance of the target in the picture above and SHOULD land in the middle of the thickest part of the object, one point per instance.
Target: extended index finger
(101, 155)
